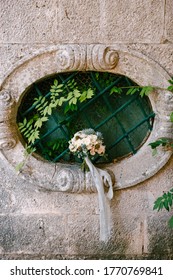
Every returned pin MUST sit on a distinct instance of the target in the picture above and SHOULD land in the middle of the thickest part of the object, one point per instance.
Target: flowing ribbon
(101, 178)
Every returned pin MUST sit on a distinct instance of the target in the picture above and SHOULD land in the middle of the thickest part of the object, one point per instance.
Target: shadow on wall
(161, 239)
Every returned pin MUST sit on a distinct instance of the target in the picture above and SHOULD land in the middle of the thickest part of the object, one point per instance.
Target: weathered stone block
(10, 54)
(30, 202)
(160, 53)
(169, 21)
(132, 21)
(82, 21)
(160, 242)
(112, 21)
(84, 240)
(128, 221)
(79, 21)
(5, 200)
(80, 229)
(32, 234)
(126, 237)
(28, 21)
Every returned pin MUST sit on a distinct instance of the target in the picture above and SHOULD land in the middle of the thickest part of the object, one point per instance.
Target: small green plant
(27, 153)
(164, 142)
(165, 201)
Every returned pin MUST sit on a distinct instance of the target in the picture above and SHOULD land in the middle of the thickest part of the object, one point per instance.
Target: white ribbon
(101, 178)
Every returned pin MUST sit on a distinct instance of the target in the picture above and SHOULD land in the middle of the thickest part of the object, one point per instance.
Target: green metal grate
(125, 121)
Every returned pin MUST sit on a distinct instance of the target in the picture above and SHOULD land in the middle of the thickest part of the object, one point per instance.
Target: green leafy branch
(164, 142)
(170, 88)
(165, 201)
(60, 94)
(27, 153)
(143, 91)
(130, 89)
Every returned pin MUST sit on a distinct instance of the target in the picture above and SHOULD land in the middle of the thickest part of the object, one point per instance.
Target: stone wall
(37, 223)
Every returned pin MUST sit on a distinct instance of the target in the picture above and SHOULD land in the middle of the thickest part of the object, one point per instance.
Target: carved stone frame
(62, 58)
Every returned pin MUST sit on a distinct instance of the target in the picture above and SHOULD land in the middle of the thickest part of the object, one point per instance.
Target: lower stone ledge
(15, 256)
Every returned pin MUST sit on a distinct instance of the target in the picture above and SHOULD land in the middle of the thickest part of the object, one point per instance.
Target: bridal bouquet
(87, 145)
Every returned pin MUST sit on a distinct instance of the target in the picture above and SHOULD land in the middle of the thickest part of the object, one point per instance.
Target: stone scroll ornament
(88, 145)
(7, 130)
(71, 58)
(102, 58)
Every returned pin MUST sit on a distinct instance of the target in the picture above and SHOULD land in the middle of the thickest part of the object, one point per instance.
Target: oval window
(124, 120)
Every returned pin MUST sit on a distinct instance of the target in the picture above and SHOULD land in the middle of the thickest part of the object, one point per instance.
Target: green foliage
(28, 152)
(131, 90)
(116, 90)
(146, 91)
(171, 117)
(55, 147)
(170, 222)
(67, 96)
(164, 142)
(143, 91)
(170, 88)
(165, 201)
(71, 95)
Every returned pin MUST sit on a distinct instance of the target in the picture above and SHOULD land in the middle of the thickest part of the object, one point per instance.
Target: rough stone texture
(169, 21)
(28, 21)
(162, 54)
(37, 224)
(81, 21)
(13, 53)
(133, 21)
(33, 233)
